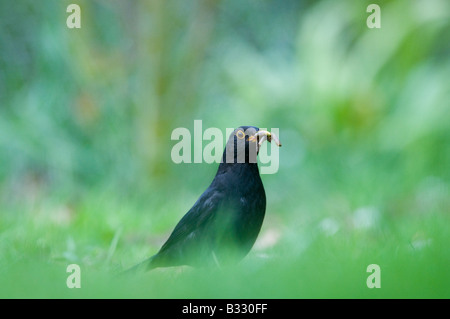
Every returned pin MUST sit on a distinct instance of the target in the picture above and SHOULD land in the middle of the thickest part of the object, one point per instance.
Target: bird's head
(244, 143)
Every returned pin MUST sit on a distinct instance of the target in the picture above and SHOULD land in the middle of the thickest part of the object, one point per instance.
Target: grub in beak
(266, 135)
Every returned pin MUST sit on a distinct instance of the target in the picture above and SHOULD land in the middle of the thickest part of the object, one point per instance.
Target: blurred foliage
(86, 117)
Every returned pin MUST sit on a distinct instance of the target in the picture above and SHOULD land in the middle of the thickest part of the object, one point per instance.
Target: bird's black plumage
(223, 224)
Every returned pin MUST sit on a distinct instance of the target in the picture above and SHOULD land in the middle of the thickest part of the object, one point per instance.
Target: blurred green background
(86, 117)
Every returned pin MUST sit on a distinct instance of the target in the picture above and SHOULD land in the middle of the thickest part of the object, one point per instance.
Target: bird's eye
(240, 134)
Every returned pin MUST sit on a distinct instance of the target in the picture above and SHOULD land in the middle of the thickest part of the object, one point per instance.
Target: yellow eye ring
(240, 134)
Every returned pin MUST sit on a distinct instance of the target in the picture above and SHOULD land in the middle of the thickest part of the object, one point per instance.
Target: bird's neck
(238, 167)
(239, 164)
(241, 178)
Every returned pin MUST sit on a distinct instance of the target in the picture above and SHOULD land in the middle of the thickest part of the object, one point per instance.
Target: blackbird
(223, 224)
